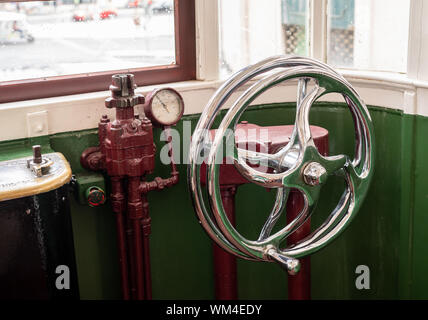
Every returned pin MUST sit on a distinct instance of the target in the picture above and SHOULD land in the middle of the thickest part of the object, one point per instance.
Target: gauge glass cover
(167, 106)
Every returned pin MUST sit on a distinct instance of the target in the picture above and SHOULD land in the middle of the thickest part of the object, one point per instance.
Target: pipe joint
(146, 225)
(93, 159)
(159, 183)
(118, 206)
(135, 210)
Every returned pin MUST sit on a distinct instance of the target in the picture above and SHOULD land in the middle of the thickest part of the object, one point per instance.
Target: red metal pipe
(123, 265)
(299, 285)
(139, 262)
(132, 270)
(135, 209)
(225, 275)
(118, 200)
(145, 221)
(146, 227)
(124, 114)
(147, 269)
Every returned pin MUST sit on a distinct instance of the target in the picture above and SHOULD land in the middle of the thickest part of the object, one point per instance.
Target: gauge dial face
(167, 106)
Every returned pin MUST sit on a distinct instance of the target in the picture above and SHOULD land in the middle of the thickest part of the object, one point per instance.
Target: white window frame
(406, 92)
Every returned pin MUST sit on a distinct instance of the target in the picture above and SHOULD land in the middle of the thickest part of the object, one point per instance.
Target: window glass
(251, 30)
(366, 34)
(52, 38)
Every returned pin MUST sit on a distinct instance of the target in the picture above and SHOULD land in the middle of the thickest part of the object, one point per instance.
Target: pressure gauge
(164, 106)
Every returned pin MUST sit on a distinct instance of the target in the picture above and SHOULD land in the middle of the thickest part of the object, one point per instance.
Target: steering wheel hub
(314, 174)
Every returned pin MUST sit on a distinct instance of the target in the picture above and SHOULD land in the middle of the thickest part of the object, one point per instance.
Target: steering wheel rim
(297, 161)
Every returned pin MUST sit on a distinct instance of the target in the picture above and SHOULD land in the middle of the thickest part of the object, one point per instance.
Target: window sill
(387, 79)
(82, 111)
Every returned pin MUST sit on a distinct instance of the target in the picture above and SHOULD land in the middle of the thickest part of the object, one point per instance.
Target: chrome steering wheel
(297, 165)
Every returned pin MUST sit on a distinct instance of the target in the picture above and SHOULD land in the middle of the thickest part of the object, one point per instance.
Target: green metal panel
(22, 147)
(372, 239)
(419, 234)
(388, 234)
(407, 164)
(94, 228)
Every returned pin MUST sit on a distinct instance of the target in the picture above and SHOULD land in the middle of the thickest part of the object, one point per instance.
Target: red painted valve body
(127, 145)
(127, 153)
(225, 263)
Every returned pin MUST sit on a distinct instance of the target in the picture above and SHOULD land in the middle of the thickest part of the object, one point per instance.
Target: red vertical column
(146, 227)
(118, 203)
(225, 263)
(299, 285)
(135, 211)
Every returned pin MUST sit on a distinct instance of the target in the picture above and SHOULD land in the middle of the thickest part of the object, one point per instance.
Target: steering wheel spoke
(310, 199)
(253, 165)
(334, 163)
(302, 135)
(278, 208)
(259, 159)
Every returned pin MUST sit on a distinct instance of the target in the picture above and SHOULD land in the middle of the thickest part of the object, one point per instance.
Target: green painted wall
(388, 235)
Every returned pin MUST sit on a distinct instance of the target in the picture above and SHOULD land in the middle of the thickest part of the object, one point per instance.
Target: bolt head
(104, 119)
(314, 174)
(37, 154)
